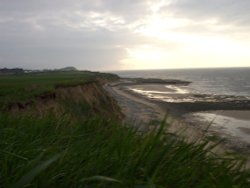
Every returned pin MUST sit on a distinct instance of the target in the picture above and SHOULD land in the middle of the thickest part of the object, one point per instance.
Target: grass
(72, 151)
(22, 87)
(49, 152)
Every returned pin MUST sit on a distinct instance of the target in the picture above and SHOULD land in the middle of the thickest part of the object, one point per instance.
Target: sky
(124, 35)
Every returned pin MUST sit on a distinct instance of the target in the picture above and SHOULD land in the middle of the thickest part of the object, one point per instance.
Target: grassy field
(97, 152)
(22, 87)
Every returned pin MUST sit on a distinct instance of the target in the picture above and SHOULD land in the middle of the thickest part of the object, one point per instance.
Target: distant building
(11, 71)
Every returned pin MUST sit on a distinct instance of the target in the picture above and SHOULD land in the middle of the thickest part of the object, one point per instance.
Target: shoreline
(140, 109)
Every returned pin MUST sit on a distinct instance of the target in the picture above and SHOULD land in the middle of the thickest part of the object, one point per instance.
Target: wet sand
(237, 114)
(232, 126)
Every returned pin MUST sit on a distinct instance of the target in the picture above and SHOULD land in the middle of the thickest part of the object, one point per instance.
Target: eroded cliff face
(89, 99)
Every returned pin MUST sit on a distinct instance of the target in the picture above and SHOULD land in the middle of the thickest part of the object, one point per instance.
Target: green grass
(22, 87)
(49, 152)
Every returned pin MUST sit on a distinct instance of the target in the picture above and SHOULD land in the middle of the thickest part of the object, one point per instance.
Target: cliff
(84, 100)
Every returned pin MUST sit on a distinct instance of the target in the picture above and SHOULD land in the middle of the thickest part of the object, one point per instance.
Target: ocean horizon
(215, 81)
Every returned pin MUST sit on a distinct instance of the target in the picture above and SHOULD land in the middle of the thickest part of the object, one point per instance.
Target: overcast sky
(124, 34)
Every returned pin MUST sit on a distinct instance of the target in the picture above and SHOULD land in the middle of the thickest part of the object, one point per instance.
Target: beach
(189, 114)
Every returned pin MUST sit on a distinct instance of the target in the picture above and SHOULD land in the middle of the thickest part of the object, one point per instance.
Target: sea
(218, 81)
(211, 81)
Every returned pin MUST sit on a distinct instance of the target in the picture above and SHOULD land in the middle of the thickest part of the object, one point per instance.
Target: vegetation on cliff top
(23, 87)
(72, 151)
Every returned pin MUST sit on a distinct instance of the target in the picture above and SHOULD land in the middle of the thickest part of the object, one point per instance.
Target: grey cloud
(226, 11)
(44, 5)
(227, 18)
(45, 33)
(131, 10)
(128, 9)
(87, 50)
(57, 45)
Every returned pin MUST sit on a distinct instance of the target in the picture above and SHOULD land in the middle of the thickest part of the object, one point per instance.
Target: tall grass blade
(27, 178)
(15, 155)
(100, 178)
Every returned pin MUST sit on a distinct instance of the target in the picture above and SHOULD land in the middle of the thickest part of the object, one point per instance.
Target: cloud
(41, 34)
(97, 34)
(56, 33)
(224, 12)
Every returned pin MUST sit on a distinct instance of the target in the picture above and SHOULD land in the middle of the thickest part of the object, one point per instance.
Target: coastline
(141, 109)
(79, 124)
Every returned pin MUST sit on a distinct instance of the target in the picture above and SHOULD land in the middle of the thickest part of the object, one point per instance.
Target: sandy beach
(141, 106)
(138, 111)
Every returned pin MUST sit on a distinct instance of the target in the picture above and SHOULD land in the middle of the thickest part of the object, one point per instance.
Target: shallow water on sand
(179, 94)
(237, 126)
(166, 93)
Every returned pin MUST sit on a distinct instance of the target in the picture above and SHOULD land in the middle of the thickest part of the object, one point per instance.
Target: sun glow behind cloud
(194, 49)
(144, 57)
